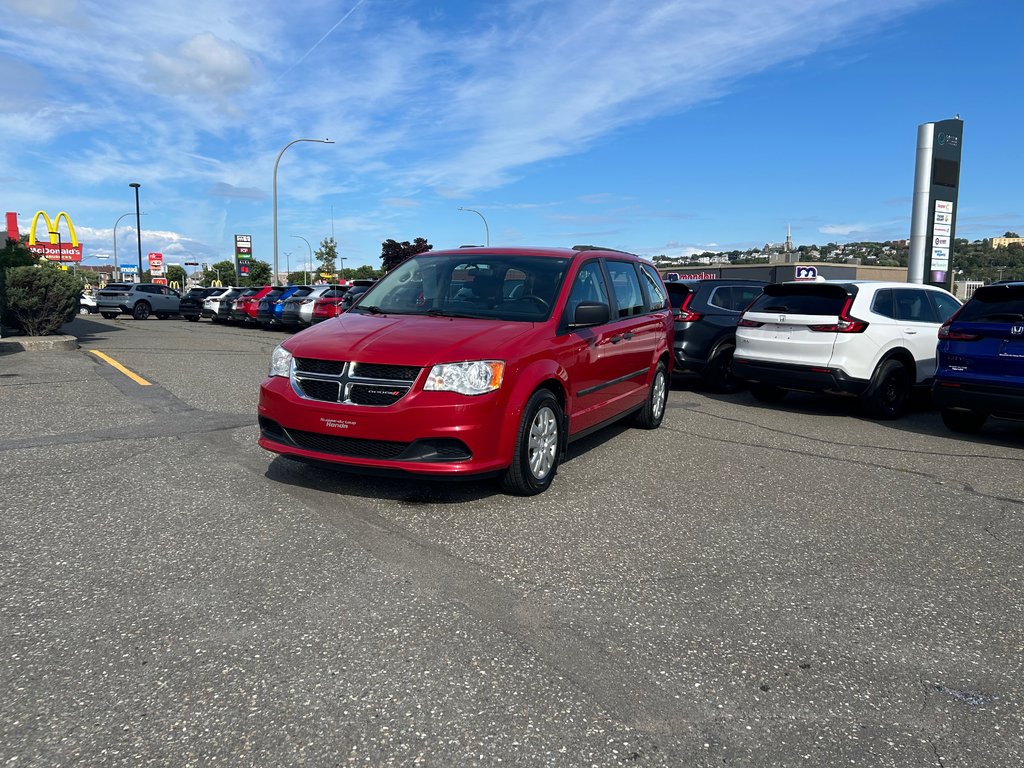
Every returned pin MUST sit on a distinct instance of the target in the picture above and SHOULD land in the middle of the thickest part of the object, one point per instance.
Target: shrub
(41, 299)
(13, 254)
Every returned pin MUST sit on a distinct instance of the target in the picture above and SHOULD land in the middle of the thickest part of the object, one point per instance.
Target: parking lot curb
(11, 344)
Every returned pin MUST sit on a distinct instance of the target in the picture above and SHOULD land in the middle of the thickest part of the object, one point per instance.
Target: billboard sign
(936, 184)
(243, 254)
(156, 264)
(56, 249)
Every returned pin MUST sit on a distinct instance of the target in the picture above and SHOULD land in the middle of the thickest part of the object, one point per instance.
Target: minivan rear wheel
(650, 416)
(967, 422)
(538, 446)
(887, 396)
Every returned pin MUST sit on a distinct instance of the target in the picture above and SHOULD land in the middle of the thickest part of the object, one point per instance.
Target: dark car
(706, 313)
(191, 306)
(980, 369)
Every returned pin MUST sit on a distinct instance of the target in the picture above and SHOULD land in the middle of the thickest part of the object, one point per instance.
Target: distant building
(1003, 242)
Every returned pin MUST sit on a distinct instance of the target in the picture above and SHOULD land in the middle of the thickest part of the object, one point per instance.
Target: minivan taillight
(684, 314)
(845, 324)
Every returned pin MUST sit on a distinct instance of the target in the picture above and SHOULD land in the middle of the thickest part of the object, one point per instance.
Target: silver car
(306, 303)
(140, 300)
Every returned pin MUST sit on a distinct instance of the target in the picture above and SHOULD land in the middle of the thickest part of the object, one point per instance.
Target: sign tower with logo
(243, 255)
(936, 184)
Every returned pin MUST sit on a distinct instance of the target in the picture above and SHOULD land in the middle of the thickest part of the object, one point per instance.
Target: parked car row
(264, 306)
(876, 341)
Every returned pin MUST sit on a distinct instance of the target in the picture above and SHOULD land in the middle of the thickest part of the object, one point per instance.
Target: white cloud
(842, 229)
(203, 65)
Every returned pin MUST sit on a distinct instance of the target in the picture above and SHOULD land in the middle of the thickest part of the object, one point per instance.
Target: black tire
(966, 422)
(886, 397)
(650, 416)
(767, 393)
(192, 319)
(109, 315)
(538, 446)
(141, 310)
(717, 373)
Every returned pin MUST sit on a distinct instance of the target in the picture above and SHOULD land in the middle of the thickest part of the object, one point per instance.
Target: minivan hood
(407, 339)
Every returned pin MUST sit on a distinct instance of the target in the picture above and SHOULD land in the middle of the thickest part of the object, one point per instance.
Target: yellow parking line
(111, 361)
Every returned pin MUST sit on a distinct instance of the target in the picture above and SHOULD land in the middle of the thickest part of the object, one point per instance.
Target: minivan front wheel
(538, 446)
(887, 396)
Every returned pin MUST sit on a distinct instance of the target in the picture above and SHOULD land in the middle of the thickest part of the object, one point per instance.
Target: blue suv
(981, 359)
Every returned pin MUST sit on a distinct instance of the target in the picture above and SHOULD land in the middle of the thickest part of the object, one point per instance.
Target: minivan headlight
(281, 362)
(475, 377)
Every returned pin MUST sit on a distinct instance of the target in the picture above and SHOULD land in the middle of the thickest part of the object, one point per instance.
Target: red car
(476, 361)
(244, 310)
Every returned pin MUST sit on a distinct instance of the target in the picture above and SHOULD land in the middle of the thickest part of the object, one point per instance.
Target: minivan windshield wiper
(438, 312)
(373, 309)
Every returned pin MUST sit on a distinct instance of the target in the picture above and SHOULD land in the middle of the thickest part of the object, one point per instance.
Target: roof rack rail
(600, 248)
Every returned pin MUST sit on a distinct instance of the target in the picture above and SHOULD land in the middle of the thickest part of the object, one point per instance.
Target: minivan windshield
(505, 287)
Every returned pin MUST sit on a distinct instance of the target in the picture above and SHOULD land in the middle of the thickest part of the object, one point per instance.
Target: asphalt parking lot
(747, 586)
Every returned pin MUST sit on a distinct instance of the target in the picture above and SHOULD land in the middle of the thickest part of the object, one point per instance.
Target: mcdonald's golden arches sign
(57, 249)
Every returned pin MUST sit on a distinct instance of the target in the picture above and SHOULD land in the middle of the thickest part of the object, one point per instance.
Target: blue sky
(654, 127)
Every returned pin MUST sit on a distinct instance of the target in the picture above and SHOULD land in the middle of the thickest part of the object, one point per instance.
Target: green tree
(176, 274)
(1011, 234)
(15, 253)
(259, 273)
(393, 253)
(327, 257)
(40, 299)
(361, 273)
(221, 270)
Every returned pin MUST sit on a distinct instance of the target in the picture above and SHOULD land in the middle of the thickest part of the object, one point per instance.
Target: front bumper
(424, 433)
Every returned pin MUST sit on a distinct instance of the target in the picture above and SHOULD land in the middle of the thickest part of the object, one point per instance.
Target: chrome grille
(337, 381)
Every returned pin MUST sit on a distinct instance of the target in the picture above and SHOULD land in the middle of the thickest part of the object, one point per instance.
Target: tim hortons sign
(57, 249)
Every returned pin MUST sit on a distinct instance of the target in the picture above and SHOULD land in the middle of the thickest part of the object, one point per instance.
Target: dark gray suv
(706, 313)
(140, 300)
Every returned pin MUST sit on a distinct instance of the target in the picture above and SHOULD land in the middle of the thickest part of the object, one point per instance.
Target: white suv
(874, 340)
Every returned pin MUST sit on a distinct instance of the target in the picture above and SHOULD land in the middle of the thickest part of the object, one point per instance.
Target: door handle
(615, 339)
(627, 335)
(909, 331)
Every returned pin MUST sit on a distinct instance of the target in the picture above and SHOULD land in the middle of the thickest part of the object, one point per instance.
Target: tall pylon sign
(933, 218)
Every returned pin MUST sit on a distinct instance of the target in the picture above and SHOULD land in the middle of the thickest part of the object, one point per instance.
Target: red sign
(12, 226)
(50, 252)
(156, 260)
(160, 280)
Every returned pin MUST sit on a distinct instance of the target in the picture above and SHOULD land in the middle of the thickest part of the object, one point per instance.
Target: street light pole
(115, 266)
(273, 278)
(310, 254)
(487, 229)
(138, 224)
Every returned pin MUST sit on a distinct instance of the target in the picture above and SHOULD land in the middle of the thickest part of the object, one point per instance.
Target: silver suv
(140, 300)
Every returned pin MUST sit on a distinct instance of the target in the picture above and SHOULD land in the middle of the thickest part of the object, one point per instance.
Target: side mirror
(590, 313)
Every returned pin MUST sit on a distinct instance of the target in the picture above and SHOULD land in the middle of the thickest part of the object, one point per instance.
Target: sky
(661, 128)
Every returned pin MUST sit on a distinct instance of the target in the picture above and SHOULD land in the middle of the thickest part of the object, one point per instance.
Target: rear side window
(626, 288)
(995, 303)
(655, 293)
(912, 306)
(945, 305)
(734, 298)
(883, 304)
(797, 299)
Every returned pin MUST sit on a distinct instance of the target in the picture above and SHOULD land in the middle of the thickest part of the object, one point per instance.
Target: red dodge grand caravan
(476, 361)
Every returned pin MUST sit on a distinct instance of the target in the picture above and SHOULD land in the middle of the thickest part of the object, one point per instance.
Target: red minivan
(475, 362)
